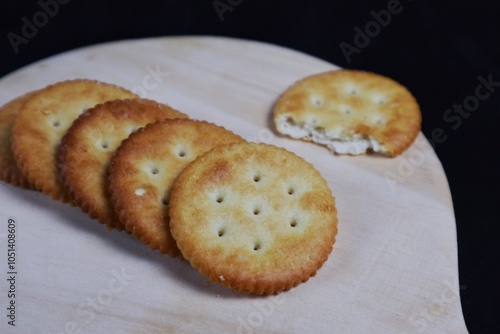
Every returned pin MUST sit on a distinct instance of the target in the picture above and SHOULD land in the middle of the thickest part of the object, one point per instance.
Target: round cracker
(253, 217)
(44, 119)
(9, 171)
(86, 150)
(350, 112)
(144, 168)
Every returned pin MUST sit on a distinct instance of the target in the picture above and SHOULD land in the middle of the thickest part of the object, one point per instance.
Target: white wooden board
(393, 268)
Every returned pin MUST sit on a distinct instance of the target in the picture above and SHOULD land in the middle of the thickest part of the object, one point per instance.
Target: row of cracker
(242, 217)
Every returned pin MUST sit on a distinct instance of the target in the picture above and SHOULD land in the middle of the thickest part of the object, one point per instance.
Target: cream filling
(337, 141)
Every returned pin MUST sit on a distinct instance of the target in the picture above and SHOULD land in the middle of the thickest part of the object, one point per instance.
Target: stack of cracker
(253, 217)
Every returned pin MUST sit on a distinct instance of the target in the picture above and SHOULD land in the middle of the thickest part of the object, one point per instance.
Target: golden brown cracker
(9, 171)
(86, 150)
(44, 119)
(144, 168)
(253, 217)
(351, 112)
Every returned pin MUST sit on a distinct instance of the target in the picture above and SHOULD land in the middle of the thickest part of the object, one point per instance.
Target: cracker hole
(256, 178)
(256, 211)
(140, 191)
(316, 101)
(353, 91)
(290, 191)
(293, 223)
(221, 232)
(219, 199)
(379, 120)
(104, 145)
(165, 201)
(257, 246)
(155, 171)
(56, 123)
(181, 153)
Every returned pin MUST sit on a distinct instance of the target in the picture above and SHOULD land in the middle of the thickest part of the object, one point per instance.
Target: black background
(438, 49)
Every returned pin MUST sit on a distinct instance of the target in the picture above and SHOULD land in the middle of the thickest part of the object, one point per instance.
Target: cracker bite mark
(146, 165)
(253, 217)
(44, 119)
(89, 144)
(9, 171)
(350, 112)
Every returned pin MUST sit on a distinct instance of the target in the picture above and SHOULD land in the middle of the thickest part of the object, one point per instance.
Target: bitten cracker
(144, 168)
(86, 150)
(9, 172)
(44, 119)
(350, 112)
(253, 217)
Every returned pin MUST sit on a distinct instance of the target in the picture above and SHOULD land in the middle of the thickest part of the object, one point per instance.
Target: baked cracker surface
(87, 148)
(351, 112)
(253, 217)
(9, 171)
(146, 165)
(44, 119)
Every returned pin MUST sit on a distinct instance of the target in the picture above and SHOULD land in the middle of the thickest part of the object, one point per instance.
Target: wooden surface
(393, 268)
